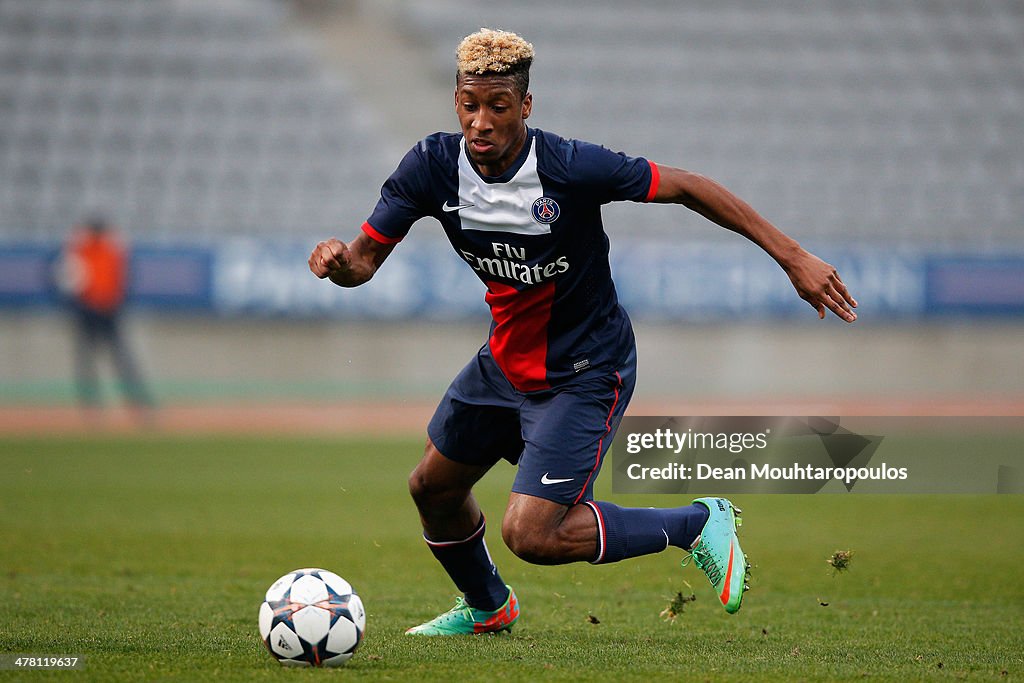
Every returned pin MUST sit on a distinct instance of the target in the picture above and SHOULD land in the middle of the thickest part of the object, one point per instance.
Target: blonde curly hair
(496, 53)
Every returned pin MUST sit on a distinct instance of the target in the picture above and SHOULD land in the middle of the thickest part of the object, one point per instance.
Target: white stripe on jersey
(501, 207)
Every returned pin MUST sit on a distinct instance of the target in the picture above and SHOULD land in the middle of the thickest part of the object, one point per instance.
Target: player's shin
(632, 532)
(470, 567)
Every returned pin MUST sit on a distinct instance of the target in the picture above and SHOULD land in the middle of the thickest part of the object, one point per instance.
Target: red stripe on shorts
(600, 444)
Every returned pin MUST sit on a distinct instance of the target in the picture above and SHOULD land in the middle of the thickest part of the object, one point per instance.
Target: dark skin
(492, 115)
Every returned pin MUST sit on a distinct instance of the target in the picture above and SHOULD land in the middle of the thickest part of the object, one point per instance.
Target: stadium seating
(880, 121)
(877, 121)
(180, 119)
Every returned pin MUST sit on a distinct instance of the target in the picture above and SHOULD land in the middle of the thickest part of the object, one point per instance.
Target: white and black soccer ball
(312, 617)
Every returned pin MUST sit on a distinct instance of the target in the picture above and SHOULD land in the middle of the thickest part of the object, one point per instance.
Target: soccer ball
(312, 617)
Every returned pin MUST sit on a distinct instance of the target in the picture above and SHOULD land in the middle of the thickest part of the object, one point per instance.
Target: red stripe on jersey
(379, 236)
(655, 181)
(519, 342)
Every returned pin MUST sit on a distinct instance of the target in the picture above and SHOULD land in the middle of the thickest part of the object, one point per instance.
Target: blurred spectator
(93, 274)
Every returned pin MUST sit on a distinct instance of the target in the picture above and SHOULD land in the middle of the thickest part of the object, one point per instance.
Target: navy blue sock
(469, 565)
(632, 532)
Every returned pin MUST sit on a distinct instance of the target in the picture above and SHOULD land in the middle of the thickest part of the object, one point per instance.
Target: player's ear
(527, 105)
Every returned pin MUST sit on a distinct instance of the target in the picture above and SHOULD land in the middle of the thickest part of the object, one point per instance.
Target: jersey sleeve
(613, 176)
(402, 201)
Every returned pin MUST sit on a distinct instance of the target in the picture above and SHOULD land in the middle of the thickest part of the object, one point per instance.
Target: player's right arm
(351, 264)
(403, 200)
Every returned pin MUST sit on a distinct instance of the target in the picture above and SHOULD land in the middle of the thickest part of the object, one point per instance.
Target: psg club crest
(545, 210)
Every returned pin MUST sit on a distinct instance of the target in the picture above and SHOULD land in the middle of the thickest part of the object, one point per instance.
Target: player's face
(493, 120)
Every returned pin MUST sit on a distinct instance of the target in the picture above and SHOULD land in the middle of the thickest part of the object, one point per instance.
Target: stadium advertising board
(657, 281)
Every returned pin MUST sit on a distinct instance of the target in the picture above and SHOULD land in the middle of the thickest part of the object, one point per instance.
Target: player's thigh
(566, 437)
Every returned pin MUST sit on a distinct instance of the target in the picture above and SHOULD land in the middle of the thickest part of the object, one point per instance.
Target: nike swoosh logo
(547, 480)
(458, 207)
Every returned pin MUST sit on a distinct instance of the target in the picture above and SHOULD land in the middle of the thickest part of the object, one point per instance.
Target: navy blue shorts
(557, 437)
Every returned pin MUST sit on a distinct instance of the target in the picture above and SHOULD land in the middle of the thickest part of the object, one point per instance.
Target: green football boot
(465, 620)
(717, 552)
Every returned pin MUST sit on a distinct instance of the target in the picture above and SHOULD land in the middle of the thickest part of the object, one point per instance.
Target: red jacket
(100, 270)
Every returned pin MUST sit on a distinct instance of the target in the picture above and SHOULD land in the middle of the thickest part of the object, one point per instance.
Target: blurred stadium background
(226, 138)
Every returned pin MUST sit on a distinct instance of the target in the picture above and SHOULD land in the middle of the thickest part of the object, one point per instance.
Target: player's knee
(521, 545)
(417, 486)
(429, 489)
(424, 488)
(530, 541)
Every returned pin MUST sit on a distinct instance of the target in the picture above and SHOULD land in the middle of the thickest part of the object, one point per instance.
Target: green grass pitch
(149, 557)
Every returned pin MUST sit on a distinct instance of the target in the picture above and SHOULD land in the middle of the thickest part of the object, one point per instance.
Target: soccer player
(522, 207)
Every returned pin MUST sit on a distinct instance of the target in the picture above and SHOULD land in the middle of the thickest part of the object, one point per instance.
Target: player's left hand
(819, 284)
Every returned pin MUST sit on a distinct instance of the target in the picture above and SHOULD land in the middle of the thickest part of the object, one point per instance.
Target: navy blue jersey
(534, 236)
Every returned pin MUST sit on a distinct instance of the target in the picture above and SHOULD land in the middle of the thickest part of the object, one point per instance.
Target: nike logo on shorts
(458, 207)
(546, 480)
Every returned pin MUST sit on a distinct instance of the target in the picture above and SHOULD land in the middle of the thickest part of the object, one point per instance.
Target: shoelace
(703, 559)
(460, 608)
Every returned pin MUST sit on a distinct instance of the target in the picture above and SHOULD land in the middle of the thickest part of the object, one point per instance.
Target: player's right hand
(330, 257)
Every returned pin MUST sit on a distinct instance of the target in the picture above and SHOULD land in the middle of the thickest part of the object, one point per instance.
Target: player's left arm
(815, 281)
